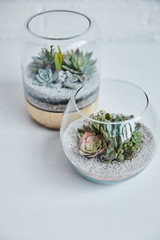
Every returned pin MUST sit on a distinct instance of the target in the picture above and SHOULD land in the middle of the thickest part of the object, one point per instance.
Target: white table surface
(41, 196)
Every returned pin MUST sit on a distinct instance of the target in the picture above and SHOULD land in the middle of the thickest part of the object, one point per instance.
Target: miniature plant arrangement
(111, 149)
(53, 77)
(57, 60)
(109, 142)
(107, 146)
(56, 70)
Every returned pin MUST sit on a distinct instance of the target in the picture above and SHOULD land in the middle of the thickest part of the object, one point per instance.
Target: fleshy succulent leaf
(44, 77)
(91, 145)
(60, 52)
(57, 60)
(79, 63)
(107, 116)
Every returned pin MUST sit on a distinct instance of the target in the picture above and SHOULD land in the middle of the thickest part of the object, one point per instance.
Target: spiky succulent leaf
(79, 63)
(44, 59)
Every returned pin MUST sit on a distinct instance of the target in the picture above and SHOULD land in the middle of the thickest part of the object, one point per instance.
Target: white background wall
(125, 20)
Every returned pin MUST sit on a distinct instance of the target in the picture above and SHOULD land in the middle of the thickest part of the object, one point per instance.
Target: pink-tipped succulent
(91, 145)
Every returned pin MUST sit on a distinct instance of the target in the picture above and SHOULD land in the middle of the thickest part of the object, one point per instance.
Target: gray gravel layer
(50, 98)
(113, 171)
(60, 107)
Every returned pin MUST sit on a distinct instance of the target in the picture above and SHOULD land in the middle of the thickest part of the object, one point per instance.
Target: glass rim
(134, 119)
(60, 11)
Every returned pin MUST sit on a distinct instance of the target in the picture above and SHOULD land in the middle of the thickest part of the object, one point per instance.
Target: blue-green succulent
(45, 77)
(64, 70)
(68, 79)
(80, 64)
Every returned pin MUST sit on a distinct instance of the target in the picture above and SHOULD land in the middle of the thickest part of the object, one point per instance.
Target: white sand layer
(115, 170)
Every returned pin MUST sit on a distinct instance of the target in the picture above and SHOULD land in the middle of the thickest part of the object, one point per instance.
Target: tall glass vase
(59, 53)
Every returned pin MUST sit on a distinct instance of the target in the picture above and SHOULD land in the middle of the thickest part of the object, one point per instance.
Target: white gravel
(53, 99)
(113, 171)
(47, 92)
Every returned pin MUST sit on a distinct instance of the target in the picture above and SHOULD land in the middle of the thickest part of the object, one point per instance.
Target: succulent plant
(79, 64)
(67, 79)
(117, 150)
(91, 145)
(45, 77)
(75, 62)
(63, 76)
(110, 130)
(120, 140)
(45, 58)
(58, 59)
(114, 150)
(65, 70)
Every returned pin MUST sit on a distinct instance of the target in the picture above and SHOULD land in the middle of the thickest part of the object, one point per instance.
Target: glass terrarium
(59, 52)
(114, 140)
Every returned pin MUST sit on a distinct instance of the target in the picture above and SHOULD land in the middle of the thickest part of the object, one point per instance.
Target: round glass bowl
(59, 53)
(111, 133)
